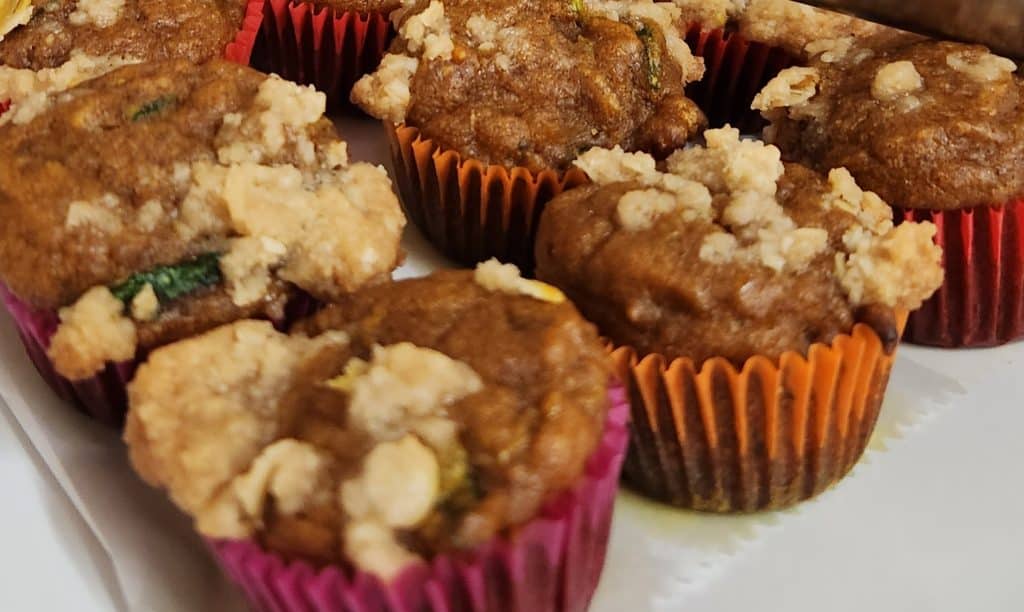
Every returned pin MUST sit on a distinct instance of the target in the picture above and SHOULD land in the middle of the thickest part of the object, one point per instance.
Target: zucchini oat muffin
(487, 103)
(408, 422)
(52, 45)
(164, 199)
(937, 129)
(528, 83)
(726, 265)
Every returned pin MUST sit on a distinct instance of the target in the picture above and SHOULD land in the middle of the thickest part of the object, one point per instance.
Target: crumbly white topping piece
(496, 276)
(984, 68)
(14, 14)
(750, 226)
(709, 13)
(92, 332)
(791, 87)
(385, 93)
(247, 267)
(896, 79)
(32, 92)
(99, 13)
(101, 214)
(204, 414)
(483, 31)
(145, 304)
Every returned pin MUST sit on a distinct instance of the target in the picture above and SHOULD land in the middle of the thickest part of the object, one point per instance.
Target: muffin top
(411, 418)
(216, 175)
(535, 82)
(926, 124)
(730, 252)
(796, 27)
(51, 45)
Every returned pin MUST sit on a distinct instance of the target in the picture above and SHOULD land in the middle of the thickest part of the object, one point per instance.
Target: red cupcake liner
(469, 210)
(240, 50)
(981, 303)
(737, 69)
(104, 396)
(326, 48)
(552, 564)
(4, 105)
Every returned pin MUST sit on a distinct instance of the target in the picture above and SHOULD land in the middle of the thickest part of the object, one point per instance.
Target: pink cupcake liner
(326, 48)
(736, 70)
(104, 396)
(553, 563)
(240, 49)
(981, 303)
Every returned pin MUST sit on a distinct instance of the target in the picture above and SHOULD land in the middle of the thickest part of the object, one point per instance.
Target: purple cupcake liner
(104, 396)
(552, 564)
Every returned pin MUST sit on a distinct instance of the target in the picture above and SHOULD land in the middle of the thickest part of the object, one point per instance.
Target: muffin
(754, 308)
(433, 439)
(55, 44)
(164, 199)
(488, 103)
(744, 44)
(329, 44)
(937, 130)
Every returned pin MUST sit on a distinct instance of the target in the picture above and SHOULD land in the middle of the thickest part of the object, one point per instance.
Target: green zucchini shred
(579, 7)
(653, 52)
(174, 281)
(152, 107)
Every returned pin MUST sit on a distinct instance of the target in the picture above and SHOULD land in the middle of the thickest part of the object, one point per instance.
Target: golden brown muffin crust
(535, 82)
(925, 124)
(146, 30)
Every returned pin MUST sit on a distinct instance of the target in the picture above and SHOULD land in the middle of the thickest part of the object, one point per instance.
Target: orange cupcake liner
(767, 436)
(470, 210)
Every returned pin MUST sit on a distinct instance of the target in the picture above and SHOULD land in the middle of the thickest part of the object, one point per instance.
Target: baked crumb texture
(32, 92)
(796, 27)
(710, 14)
(323, 224)
(496, 276)
(427, 35)
(205, 425)
(14, 14)
(732, 184)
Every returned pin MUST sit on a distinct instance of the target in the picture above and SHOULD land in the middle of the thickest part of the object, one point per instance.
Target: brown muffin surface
(360, 6)
(730, 253)
(925, 124)
(156, 165)
(535, 82)
(505, 392)
(145, 30)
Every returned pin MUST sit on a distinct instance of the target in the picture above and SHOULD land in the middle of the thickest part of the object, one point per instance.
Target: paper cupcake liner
(736, 70)
(770, 435)
(469, 210)
(981, 302)
(104, 396)
(553, 563)
(327, 48)
(240, 50)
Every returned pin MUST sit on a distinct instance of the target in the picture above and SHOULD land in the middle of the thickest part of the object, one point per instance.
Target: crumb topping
(736, 195)
(204, 411)
(145, 305)
(32, 92)
(398, 400)
(791, 87)
(385, 94)
(99, 13)
(14, 14)
(894, 80)
(984, 67)
(92, 332)
(284, 220)
(496, 276)
(709, 13)
(794, 26)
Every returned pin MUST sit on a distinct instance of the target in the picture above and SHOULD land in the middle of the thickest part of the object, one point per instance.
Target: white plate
(929, 520)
